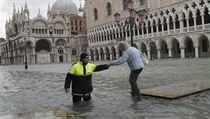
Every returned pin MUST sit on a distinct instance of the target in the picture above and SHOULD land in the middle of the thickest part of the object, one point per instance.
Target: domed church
(58, 38)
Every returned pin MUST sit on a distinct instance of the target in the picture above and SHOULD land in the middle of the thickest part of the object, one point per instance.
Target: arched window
(109, 9)
(95, 11)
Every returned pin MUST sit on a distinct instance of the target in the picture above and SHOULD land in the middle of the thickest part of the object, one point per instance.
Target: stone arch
(207, 15)
(119, 51)
(143, 47)
(92, 54)
(153, 50)
(189, 47)
(96, 54)
(107, 53)
(38, 21)
(113, 52)
(60, 42)
(163, 49)
(102, 53)
(204, 46)
(175, 48)
(43, 44)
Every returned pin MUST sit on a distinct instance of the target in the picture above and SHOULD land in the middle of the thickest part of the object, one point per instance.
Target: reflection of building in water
(58, 38)
(171, 28)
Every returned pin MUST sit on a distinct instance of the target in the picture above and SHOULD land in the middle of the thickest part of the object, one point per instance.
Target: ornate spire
(26, 6)
(21, 9)
(14, 10)
(80, 8)
(39, 13)
(48, 6)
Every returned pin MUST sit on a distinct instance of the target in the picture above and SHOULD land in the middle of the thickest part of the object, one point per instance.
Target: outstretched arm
(121, 60)
(101, 67)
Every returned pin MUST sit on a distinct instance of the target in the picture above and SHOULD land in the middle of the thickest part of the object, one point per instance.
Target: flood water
(37, 93)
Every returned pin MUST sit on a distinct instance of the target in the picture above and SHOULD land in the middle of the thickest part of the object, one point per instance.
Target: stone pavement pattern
(41, 87)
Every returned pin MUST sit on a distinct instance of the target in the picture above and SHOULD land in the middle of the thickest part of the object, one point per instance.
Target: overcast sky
(6, 9)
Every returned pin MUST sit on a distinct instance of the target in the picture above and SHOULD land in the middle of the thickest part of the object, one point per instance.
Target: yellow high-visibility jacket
(81, 77)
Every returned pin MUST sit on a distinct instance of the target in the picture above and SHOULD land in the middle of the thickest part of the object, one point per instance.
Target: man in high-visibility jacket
(80, 74)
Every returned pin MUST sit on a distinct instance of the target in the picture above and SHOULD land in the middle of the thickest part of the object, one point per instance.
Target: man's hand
(107, 65)
(67, 90)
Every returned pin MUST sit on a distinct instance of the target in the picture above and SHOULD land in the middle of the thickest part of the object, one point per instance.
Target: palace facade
(169, 29)
(58, 38)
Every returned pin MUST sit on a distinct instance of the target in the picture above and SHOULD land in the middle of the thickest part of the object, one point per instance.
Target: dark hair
(83, 55)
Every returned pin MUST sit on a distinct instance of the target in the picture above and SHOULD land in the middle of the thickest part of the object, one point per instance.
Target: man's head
(122, 45)
(84, 57)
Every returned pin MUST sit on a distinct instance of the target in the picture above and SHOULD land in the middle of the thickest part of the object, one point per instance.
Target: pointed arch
(109, 9)
(95, 12)
(164, 49)
(153, 50)
(189, 47)
(204, 46)
(175, 48)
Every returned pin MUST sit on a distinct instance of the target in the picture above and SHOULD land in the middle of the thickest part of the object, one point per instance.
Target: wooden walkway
(177, 90)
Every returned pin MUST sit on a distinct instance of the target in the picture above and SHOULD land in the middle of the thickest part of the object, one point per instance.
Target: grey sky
(6, 9)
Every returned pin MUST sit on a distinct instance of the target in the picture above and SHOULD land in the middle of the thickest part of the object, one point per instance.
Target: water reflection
(47, 113)
(22, 92)
(83, 107)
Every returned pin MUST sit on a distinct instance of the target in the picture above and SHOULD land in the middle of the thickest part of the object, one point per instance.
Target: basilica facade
(164, 29)
(58, 38)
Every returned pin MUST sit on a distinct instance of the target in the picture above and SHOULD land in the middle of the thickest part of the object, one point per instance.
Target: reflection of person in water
(80, 74)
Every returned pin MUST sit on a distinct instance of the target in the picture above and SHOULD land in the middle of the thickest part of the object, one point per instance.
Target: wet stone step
(179, 89)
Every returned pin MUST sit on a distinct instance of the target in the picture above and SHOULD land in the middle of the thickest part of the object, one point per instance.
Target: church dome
(66, 6)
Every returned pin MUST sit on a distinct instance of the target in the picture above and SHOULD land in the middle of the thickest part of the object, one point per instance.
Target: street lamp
(26, 64)
(130, 21)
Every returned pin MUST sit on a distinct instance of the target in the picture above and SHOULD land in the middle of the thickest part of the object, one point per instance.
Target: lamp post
(130, 21)
(26, 64)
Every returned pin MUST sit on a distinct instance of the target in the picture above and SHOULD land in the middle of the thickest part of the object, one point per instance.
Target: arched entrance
(164, 49)
(175, 49)
(153, 50)
(43, 49)
(102, 54)
(143, 48)
(107, 53)
(189, 50)
(91, 54)
(113, 51)
(96, 54)
(204, 46)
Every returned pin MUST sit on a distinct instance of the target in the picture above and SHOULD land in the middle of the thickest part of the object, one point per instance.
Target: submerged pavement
(38, 92)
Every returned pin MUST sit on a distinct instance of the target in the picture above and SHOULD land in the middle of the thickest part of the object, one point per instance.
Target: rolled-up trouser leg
(133, 82)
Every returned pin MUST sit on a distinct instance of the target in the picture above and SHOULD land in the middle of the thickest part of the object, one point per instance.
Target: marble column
(149, 54)
(196, 52)
(158, 53)
(182, 52)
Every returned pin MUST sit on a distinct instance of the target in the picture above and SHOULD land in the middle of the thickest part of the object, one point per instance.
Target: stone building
(2, 40)
(165, 28)
(54, 39)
